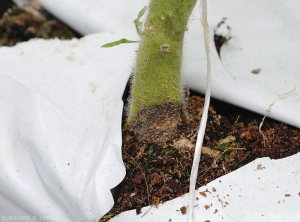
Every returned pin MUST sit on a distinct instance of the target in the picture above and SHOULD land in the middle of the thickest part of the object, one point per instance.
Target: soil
(18, 24)
(156, 174)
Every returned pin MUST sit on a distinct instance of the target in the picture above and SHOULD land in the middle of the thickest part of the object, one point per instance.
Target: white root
(201, 132)
(268, 110)
(262, 122)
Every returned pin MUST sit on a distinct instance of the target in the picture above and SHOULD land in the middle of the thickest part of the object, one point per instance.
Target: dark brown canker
(158, 124)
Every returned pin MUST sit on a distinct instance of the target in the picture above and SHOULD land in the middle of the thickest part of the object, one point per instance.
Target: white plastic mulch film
(60, 133)
(60, 109)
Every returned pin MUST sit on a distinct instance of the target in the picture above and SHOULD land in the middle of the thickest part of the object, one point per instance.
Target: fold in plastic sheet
(265, 36)
(60, 131)
(91, 16)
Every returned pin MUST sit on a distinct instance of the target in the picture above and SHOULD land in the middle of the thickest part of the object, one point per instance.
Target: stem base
(158, 124)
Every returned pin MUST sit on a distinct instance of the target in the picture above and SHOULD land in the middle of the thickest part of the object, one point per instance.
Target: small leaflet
(115, 43)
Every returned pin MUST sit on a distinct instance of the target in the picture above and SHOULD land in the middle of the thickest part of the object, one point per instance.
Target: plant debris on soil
(157, 174)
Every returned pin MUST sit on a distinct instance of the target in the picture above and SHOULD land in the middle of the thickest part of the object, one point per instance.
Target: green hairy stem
(157, 77)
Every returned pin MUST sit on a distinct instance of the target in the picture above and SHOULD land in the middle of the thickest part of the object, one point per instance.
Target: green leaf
(141, 13)
(137, 21)
(115, 43)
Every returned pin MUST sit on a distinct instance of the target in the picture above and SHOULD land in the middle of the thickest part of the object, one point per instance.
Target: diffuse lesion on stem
(156, 102)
